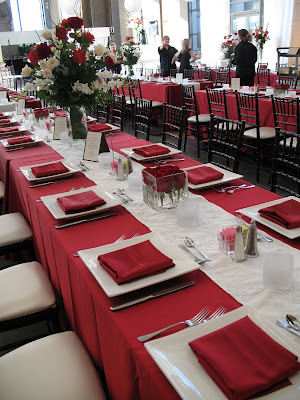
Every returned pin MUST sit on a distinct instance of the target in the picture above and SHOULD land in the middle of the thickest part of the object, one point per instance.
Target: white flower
(47, 73)
(52, 62)
(57, 54)
(47, 34)
(82, 87)
(43, 64)
(26, 71)
(99, 50)
(28, 86)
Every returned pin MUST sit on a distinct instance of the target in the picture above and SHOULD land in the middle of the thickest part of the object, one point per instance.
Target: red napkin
(133, 262)
(1, 114)
(20, 140)
(149, 151)
(98, 127)
(80, 202)
(243, 360)
(9, 129)
(286, 214)
(49, 169)
(59, 113)
(203, 174)
(5, 121)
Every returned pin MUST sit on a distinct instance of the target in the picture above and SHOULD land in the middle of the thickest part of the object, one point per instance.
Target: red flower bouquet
(280, 89)
(164, 186)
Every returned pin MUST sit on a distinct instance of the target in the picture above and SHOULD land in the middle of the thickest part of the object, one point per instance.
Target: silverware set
(122, 194)
(292, 324)
(189, 243)
(232, 189)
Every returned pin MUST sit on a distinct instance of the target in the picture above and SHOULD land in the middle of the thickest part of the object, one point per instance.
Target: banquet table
(111, 337)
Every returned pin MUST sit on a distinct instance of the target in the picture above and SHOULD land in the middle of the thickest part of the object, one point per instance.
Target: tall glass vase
(77, 126)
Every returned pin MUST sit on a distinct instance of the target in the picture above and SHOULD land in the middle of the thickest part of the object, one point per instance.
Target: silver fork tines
(219, 311)
(189, 322)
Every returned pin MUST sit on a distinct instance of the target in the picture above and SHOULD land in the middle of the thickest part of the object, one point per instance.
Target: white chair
(55, 367)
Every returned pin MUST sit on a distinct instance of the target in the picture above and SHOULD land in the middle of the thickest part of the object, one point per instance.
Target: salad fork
(219, 311)
(189, 322)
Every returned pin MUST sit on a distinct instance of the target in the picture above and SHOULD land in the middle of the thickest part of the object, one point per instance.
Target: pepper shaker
(238, 253)
(251, 246)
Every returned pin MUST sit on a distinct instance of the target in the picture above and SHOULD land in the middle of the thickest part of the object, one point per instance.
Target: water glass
(135, 181)
(278, 271)
(187, 213)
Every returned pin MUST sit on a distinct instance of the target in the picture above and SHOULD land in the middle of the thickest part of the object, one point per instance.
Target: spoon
(223, 190)
(190, 243)
(293, 321)
(122, 193)
(245, 187)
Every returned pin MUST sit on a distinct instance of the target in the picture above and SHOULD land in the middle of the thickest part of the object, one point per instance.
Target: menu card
(235, 83)
(179, 78)
(60, 125)
(20, 106)
(94, 145)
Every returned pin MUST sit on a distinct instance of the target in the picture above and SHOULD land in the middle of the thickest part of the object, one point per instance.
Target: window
(194, 25)
(28, 15)
(247, 14)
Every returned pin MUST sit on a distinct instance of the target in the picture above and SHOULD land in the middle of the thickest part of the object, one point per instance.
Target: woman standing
(166, 53)
(245, 57)
(186, 54)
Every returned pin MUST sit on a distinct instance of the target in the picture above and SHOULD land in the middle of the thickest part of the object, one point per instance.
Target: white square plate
(129, 151)
(228, 176)
(58, 213)
(111, 128)
(183, 264)
(252, 212)
(36, 140)
(27, 171)
(179, 364)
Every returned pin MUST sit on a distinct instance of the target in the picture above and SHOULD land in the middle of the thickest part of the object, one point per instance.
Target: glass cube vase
(164, 192)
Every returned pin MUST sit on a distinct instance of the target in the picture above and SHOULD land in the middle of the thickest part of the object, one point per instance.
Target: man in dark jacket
(166, 53)
(245, 57)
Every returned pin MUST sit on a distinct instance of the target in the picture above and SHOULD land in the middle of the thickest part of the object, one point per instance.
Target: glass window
(246, 14)
(194, 24)
(27, 15)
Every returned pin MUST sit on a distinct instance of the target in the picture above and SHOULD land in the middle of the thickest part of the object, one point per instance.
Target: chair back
(188, 74)
(173, 72)
(222, 76)
(247, 108)
(142, 117)
(286, 163)
(217, 103)
(136, 91)
(224, 143)
(173, 125)
(140, 69)
(118, 111)
(286, 114)
(160, 71)
(263, 76)
(148, 71)
(262, 65)
(189, 100)
(288, 79)
(205, 74)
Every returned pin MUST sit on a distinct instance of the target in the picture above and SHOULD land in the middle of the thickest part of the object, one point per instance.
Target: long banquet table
(111, 337)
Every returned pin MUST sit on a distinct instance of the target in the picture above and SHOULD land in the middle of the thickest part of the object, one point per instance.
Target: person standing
(186, 55)
(245, 57)
(166, 53)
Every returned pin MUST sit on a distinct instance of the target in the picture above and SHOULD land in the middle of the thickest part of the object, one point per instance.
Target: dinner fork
(189, 322)
(219, 311)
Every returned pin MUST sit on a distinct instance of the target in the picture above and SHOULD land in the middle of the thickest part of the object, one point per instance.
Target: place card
(94, 145)
(3, 96)
(235, 83)
(179, 78)
(20, 106)
(60, 126)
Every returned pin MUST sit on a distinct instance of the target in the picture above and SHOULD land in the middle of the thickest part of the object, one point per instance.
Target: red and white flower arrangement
(261, 37)
(228, 47)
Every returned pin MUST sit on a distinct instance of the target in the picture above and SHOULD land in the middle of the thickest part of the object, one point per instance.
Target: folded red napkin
(49, 169)
(1, 114)
(60, 113)
(243, 360)
(286, 214)
(153, 150)
(5, 121)
(203, 174)
(9, 129)
(80, 202)
(133, 262)
(98, 127)
(20, 140)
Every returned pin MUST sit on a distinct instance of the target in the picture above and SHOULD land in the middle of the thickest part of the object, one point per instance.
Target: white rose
(43, 64)
(52, 62)
(26, 71)
(47, 73)
(99, 50)
(47, 34)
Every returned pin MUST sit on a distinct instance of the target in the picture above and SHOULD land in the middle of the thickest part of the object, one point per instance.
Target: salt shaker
(120, 170)
(238, 253)
(251, 246)
(129, 165)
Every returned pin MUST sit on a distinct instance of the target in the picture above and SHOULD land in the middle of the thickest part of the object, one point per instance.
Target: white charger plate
(58, 213)
(27, 171)
(183, 264)
(36, 140)
(252, 212)
(228, 176)
(129, 151)
(179, 364)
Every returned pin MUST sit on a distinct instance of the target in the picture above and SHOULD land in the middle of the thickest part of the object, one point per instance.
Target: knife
(49, 183)
(82, 221)
(159, 293)
(284, 325)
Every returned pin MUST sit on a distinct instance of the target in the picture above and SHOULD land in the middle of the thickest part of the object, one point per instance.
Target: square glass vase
(161, 193)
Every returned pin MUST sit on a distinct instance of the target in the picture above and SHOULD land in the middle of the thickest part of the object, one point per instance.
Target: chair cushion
(156, 104)
(202, 118)
(288, 141)
(25, 289)
(265, 133)
(13, 229)
(54, 367)
(1, 190)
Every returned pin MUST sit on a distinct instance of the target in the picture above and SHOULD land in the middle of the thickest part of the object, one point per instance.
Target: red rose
(89, 36)
(61, 33)
(266, 32)
(65, 23)
(43, 51)
(225, 37)
(75, 22)
(78, 56)
(127, 38)
(33, 57)
(109, 61)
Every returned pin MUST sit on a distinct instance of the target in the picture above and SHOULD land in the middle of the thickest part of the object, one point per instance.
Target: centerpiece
(66, 72)
(260, 36)
(164, 186)
(129, 53)
(228, 47)
(280, 89)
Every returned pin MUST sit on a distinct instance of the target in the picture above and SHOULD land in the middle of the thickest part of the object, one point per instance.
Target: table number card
(94, 145)
(20, 106)
(179, 78)
(60, 126)
(3, 96)
(235, 83)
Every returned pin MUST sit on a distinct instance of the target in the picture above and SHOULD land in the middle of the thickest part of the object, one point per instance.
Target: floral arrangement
(280, 89)
(228, 47)
(129, 53)
(260, 36)
(135, 23)
(164, 186)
